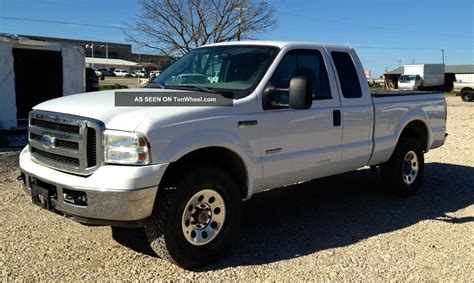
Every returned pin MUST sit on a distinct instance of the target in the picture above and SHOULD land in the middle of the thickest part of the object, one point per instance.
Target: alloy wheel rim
(410, 168)
(203, 217)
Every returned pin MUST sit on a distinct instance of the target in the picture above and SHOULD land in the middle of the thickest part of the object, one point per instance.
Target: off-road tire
(392, 170)
(164, 230)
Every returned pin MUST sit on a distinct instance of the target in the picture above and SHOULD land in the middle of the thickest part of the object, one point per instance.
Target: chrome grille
(65, 142)
(59, 143)
(56, 157)
(72, 129)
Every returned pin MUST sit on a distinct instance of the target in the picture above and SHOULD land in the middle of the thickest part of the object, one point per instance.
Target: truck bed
(394, 109)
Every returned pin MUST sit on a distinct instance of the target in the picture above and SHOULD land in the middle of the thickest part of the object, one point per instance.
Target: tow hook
(21, 178)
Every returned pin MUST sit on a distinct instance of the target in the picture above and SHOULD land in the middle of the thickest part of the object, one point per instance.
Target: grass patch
(449, 94)
(114, 86)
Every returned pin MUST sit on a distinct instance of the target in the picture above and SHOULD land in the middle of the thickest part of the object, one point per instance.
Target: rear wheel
(403, 172)
(196, 218)
(467, 96)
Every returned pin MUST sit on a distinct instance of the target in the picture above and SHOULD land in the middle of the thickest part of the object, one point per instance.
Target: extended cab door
(298, 145)
(357, 106)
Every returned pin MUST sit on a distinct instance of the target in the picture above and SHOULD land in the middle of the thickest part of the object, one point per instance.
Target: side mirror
(300, 93)
(268, 95)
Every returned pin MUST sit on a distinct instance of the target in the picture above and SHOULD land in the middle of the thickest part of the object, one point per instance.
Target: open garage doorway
(38, 77)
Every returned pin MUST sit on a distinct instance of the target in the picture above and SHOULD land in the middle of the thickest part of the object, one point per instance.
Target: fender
(200, 138)
(385, 145)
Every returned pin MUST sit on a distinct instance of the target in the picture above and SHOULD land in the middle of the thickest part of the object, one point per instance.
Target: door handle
(336, 118)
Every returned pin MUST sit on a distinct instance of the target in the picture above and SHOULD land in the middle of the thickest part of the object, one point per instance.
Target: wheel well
(416, 130)
(219, 156)
(466, 89)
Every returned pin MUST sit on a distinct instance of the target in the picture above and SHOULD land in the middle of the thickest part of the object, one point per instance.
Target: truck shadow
(334, 212)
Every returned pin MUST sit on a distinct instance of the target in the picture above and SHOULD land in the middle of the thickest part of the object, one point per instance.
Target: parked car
(300, 111)
(107, 73)
(155, 73)
(121, 73)
(140, 73)
(92, 80)
(214, 78)
(465, 90)
(100, 74)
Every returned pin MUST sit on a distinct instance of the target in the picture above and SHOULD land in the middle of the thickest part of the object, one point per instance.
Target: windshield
(236, 69)
(407, 78)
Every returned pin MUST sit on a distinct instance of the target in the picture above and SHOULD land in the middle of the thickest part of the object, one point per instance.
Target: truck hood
(101, 106)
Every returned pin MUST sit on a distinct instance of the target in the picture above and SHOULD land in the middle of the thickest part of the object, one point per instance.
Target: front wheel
(196, 218)
(467, 96)
(403, 172)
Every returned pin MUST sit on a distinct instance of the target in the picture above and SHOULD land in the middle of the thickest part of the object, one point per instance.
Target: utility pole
(239, 31)
(413, 61)
(92, 48)
(442, 55)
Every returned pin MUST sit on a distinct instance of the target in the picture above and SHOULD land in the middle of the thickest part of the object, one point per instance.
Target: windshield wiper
(225, 93)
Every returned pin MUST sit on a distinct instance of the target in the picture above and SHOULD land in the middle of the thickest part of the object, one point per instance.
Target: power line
(63, 23)
(109, 10)
(327, 21)
(380, 61)
(122, 27)
(363, 26)
(413, 48)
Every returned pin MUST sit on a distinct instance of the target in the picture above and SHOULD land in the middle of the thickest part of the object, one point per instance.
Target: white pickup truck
(300, 111)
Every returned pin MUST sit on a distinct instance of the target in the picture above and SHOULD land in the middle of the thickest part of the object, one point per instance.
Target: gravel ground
(343, 230)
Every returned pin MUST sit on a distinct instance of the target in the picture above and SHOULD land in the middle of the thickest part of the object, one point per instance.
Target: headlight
(126, 148)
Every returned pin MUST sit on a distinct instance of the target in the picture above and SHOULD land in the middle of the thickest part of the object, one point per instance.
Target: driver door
(299, 145)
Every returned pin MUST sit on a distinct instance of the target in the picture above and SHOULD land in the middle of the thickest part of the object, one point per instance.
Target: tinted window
(406, 78)
(347, 74)
(307, 63)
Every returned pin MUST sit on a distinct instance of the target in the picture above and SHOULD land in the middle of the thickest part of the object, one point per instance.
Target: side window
(308, 63)
(347, 74)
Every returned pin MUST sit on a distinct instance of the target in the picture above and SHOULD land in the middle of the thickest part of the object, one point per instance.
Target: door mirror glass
(300, 93)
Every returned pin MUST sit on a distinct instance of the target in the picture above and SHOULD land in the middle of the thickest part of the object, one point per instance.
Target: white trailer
(422, 76)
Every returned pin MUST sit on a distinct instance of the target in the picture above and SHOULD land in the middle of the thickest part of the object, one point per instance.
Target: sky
(385, 34)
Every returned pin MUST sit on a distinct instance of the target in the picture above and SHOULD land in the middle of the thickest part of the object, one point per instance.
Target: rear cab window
(347, 73)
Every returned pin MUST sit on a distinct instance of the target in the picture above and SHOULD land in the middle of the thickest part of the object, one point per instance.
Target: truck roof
(279, 44)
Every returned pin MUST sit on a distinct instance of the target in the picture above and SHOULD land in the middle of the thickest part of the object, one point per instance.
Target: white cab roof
(279, 44)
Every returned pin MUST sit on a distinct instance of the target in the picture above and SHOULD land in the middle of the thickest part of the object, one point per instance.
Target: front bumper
(116, 195)
(406, 87)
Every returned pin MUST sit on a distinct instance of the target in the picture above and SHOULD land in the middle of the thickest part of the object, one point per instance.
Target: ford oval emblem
(48, 141)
